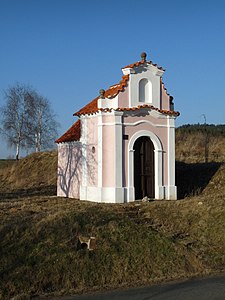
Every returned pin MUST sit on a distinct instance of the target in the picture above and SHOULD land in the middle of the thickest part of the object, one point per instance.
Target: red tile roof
(115, 89)
(72, 134)
(90, 108)
(112, 92)
(139, 63)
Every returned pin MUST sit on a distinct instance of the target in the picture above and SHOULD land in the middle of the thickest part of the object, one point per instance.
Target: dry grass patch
(4, 163)
(190, 147)
(34, 174)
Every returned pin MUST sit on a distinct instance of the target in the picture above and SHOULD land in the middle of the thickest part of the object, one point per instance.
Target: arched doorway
(144, 171)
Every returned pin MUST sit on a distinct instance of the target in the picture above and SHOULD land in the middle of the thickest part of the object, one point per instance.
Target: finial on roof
(101, 94)
(143, 56)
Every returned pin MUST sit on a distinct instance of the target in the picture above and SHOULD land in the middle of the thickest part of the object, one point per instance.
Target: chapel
(122, 146)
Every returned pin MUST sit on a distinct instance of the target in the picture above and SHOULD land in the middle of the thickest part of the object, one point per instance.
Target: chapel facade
(122, 147)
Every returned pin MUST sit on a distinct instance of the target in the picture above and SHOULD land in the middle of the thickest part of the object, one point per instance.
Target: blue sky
(69, 50)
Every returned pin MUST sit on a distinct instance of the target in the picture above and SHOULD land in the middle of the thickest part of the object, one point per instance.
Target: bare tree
(42, 126)
(27, 119)
(14, 116)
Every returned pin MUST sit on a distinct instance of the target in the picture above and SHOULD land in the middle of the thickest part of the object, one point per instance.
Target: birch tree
(27, 120)
(42, 124)
(14, 116)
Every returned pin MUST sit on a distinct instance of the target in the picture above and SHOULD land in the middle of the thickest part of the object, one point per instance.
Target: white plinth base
(171, 192)
(102, 194)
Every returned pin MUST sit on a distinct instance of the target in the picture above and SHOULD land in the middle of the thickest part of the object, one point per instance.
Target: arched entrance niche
(144, 170)
(148, 140)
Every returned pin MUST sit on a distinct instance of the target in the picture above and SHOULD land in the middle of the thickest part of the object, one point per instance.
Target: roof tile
(163, 111)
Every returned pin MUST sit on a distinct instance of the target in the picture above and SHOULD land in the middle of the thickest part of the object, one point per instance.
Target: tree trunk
(17, 151)
(39, 142)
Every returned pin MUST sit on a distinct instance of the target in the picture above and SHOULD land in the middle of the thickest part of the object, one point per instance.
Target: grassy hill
(138, 243)
(35, 174)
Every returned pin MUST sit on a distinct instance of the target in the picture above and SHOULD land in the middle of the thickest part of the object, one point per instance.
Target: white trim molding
(108, 103)
(69, 144)
(135, 124)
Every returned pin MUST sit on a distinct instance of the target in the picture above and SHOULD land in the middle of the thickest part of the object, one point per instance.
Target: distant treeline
(209, 128)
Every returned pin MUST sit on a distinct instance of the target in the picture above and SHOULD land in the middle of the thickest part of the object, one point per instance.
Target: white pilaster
(171, 189)
(119, 190)
(130, 188)
(159, 189)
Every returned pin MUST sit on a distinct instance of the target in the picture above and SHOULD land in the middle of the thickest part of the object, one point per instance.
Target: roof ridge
(138, 63)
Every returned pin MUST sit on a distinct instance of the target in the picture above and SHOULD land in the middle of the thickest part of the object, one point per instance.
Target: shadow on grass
(35, 191)
(191, 179)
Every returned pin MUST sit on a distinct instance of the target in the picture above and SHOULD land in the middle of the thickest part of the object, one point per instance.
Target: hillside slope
(35, 174)
(137, 243)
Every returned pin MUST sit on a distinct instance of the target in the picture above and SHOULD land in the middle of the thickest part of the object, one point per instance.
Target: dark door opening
(144, 171)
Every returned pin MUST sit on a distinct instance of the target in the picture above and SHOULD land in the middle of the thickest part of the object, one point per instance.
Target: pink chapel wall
(160, 132)
(69, 170)
(108, 151)
(123, 98)
(92, 151)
